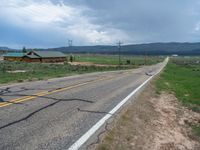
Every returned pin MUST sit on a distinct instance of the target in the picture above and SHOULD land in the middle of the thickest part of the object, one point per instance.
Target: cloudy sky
(50, 23)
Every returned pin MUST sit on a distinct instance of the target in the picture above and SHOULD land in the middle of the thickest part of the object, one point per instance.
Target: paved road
(53, 114)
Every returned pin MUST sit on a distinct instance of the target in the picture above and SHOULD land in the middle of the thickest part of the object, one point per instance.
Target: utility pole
(119, 51)
(145, 58)
(70, 43)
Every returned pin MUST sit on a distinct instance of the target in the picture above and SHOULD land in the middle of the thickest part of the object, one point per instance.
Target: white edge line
(94, 128)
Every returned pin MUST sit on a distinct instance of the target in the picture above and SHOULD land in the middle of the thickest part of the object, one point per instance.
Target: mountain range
(137, 49)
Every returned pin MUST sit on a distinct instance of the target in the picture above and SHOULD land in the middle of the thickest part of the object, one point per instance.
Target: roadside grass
(114, 59)
(182, 77)
(38, 71)
(183, 80)
(196, 130)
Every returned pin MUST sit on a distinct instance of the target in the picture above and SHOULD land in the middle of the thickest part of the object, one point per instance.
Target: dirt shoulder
(90, 64)
(97, 65)
(152, 122)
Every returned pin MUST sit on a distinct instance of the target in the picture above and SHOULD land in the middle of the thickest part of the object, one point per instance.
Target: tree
(24, 50)
(71, 58)
(128, 62)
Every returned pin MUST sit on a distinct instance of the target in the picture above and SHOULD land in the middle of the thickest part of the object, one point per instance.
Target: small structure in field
(37, 56)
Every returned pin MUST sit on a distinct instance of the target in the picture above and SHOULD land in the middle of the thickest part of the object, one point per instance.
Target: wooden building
(14, 56)
(37, 56)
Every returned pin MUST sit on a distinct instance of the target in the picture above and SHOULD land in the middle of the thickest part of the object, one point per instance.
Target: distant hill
(138, 49)
(4, 48)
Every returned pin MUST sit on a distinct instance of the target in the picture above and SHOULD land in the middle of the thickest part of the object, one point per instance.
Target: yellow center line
(34, 96)
(17, 100)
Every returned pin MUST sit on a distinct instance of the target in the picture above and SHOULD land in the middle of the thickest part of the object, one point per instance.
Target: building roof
(32, 56)
(46, 54)
(14, 55)
(37, 54)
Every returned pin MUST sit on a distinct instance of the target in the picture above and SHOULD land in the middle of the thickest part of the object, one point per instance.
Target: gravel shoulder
(152, 122)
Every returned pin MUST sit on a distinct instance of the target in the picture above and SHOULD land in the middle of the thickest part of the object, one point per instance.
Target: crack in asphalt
(106, 127)
(52, 98)
(7, 90)
(3, 91)
(104, 130)
(40, 109)
(3, 101)
(96, 112)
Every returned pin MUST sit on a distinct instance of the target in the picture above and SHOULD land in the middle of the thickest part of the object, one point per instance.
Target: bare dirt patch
(90, 64)
(81, 63)
(152, 123)
(172, 131)
(17, 71)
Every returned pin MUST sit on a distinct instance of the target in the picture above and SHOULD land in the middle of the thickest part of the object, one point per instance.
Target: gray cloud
(147, 20)
(98, 21)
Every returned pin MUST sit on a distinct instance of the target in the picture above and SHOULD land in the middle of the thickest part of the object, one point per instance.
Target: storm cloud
(50, 23)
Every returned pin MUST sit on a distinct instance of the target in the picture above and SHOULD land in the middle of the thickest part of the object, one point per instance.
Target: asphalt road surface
(54, 114)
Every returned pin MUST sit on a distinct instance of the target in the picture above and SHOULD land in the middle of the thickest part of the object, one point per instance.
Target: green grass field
(37, 71)
(182, 76)
(114, 59)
